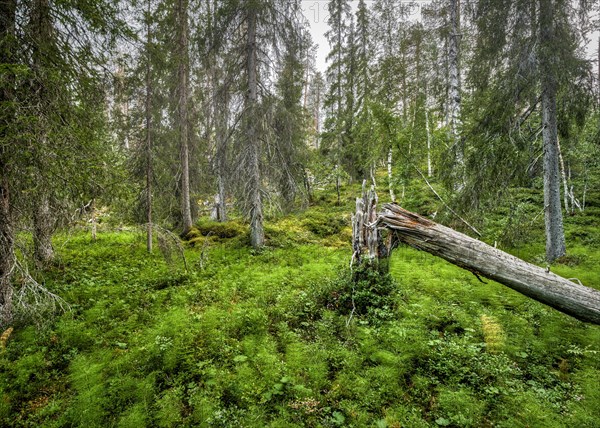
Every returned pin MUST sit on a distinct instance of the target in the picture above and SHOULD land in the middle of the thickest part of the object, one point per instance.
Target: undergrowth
(288, 336)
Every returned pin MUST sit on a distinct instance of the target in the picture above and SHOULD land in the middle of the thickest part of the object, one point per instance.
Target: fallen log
(484, 260)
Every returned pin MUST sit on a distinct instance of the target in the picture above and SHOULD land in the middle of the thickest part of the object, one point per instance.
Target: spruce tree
(334, 103)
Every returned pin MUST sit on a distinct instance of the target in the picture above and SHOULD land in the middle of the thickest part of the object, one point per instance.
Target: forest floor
(257, 339)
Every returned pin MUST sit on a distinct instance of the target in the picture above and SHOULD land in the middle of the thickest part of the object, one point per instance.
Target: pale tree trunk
(7, 258)
(318, 117)
(555, 236)
(148, 118)
(563, 176)
(43, 226)
(257, 234)
(43, 223)
(183, 99)
(94, 220)
(484, 260)
(390, 176)
(454, 92)
(221, 112)
(429, 168)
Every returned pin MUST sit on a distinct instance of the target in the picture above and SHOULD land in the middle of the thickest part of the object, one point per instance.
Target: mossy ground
(256, 339)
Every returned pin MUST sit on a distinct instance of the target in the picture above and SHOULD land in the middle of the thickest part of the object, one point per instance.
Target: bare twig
(443, 202)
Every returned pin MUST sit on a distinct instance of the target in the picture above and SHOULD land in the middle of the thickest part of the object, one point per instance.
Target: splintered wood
(365, 236)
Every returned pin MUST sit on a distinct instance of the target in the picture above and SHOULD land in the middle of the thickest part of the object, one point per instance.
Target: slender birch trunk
(429, 168)
(183, 97)
(390, 176)
(454, 91)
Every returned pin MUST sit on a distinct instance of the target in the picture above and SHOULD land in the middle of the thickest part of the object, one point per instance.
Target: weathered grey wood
(484, 260)
(365, 238)
(368, 243)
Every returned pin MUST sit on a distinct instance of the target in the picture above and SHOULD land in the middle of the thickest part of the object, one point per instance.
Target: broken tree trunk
(546, 287)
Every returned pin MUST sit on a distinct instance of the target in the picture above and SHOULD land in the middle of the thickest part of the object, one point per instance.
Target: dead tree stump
(371, 246)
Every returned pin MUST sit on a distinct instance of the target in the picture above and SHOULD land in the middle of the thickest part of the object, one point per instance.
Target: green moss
(270, 338)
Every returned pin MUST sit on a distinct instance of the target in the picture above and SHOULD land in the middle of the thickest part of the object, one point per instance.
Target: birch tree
(454, 90)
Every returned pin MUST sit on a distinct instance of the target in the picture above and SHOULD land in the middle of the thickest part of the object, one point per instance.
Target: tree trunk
(43, 222)
(555, 236)
(6, 252)
(183, 95)
(318, 118)
(221, 110)
(43, 227)
(532, 281)
(148, 114)
(429, 167)
(94, 220)
(369, 245)
(390, 176)
(454, 95)
(257, 234)
(7, 26)
(563, 175)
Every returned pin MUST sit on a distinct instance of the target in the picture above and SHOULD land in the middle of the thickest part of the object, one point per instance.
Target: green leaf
(339, 417)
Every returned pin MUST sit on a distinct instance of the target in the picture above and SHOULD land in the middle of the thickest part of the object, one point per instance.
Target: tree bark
(94, 220)
(454, 92)
(390, 176)
(221, 112)
(563, 175)
(183, 98)
(6, 253)
(429, 167)
(532, 281)
(369, 245)
(7, 26)
(555, 236)
(43, 218)
(148, 119)
(43, 227)
(257, 234)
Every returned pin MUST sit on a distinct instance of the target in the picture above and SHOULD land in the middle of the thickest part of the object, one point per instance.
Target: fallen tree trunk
(540, 284)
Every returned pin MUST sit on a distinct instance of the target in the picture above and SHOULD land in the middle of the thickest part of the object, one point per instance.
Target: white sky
(316, 13)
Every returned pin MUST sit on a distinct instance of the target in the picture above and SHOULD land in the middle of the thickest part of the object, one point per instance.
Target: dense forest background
(208, 128)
